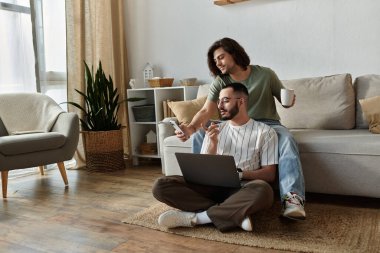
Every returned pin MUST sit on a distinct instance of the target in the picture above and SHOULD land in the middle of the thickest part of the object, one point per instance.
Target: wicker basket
(161, 82)
(188, 81)
(148, 148)
(104, 150)
(144, 113)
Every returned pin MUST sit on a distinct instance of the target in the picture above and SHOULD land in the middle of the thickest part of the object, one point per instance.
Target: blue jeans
(289, 164)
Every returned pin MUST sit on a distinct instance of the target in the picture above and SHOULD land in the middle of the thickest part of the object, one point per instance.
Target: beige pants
(226, 207)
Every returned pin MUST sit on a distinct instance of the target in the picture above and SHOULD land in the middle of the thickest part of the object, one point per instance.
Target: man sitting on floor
(253, 145)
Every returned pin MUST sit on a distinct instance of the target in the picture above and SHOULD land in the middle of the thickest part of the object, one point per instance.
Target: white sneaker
(293, 207)
(175, 218)
(247, 224)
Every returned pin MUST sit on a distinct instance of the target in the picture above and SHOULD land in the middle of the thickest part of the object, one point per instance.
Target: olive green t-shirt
(262, 85)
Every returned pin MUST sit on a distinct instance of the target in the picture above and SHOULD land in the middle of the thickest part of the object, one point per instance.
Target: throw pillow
(185, 110)
(371, 110)
(321, 103)
(365, 87)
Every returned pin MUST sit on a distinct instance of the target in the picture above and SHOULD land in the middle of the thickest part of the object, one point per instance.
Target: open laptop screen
(205, 169)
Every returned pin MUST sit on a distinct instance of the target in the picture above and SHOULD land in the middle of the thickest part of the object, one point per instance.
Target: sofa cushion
(321, 103)
(203, 90)
(371, 111)
(365, 87)
(3, 130)
(349, 142)
(185, 110)
(173, 141)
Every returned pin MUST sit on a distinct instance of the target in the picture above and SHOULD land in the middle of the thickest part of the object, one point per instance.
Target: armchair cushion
(28, 143)
(26, 109)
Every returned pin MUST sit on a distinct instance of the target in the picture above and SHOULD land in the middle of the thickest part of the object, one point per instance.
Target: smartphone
(176, 127)
(215, 121)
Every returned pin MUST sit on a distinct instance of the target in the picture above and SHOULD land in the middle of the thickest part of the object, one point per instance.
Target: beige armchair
(34, 131)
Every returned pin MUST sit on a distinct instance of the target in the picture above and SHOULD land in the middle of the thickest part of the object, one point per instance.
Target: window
(18, 69)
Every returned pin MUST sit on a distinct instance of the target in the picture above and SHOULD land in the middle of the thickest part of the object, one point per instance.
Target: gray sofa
(338, 153)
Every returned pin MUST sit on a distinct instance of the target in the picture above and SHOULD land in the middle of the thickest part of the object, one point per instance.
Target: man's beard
(232, 113)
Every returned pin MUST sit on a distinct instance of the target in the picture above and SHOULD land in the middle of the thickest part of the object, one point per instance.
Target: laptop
(205, 169)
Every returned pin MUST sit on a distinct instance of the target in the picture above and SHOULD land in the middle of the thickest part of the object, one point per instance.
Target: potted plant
(102, 135)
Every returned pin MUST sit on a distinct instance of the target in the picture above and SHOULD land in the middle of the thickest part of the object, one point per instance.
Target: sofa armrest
(164, 131)
(67, 124)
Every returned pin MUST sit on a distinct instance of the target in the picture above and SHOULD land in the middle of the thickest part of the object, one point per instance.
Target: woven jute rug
(328, 228)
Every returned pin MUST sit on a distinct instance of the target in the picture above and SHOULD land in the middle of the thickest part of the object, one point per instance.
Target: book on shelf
(166, 109)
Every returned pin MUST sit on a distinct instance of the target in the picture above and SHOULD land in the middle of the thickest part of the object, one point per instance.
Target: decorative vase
(104, 150)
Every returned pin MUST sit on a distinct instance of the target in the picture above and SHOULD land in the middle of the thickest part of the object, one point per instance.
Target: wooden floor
(40, 215)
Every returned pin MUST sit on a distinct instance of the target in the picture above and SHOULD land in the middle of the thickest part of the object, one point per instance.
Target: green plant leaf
(101, 101)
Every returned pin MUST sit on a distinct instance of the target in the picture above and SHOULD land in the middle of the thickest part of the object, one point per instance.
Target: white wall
(296, 38)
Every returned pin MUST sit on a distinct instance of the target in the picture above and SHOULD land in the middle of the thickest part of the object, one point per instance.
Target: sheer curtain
(95, 31)
(52, 56)
(17, 73)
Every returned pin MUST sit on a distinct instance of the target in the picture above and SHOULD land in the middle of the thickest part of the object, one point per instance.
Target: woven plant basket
(104, 150)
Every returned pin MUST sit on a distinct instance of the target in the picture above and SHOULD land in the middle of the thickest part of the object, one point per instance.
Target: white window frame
(35, 10)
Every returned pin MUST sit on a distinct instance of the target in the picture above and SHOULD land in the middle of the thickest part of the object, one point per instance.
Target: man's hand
(212, 132)
(187, 132)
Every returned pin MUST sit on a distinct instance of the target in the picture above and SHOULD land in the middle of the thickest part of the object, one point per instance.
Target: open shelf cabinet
(155, 96)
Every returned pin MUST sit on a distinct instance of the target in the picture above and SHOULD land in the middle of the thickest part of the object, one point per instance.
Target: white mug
(287, 96)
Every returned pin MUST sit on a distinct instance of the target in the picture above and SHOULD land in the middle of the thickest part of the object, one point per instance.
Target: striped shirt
(252, 145)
